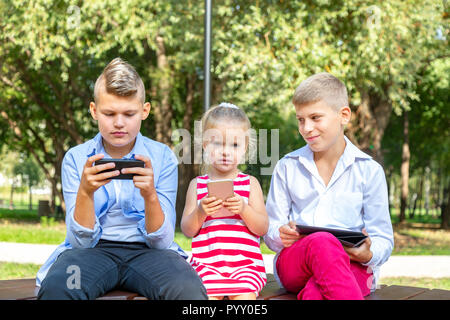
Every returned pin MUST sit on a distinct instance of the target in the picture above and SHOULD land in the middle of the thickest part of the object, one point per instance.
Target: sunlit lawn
(25, 227)
(408, 241)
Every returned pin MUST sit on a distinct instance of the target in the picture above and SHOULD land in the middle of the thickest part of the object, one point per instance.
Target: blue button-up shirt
(165, 170)
(355, 198)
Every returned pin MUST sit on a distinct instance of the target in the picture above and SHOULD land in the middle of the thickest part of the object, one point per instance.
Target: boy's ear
(93, 110)
(146, 110)
(346, 114)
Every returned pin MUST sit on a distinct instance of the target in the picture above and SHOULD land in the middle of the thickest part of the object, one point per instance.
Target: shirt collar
(97, 146)
(351, 152)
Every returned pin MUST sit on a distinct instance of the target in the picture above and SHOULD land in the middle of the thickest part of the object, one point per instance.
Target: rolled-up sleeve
(278, 206)
(376, 216)
(166, 189)
(77, 235)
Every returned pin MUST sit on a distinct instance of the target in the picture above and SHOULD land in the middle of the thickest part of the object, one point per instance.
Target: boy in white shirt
(327, 183)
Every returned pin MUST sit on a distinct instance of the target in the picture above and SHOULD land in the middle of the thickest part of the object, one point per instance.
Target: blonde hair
(224, 112)
(321, 86)
(121, 79)
(229, 114)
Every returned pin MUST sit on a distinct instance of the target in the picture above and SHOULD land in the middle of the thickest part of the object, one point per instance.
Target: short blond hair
(121, 79)
(321, 86)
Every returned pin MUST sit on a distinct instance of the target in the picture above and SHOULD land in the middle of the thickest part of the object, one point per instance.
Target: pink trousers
(316, 267)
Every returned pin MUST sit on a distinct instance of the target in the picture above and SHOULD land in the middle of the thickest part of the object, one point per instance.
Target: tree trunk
(445, 209)
(420, 193)
(405, 168)
(427, 189)
(417, 195)
(162, 108)
(30, 198)
(187, 171)
(11, 195)
(367, 127)
(391, 192)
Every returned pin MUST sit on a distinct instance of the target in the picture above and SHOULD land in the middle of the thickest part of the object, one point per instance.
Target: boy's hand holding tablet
(362, 253)
(289, 234)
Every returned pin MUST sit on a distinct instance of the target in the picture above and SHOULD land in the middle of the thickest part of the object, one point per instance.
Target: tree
(51, 54)
(268, 47)
(428, 132)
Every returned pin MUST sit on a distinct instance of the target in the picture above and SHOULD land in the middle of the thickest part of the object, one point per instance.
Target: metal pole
(207, 57)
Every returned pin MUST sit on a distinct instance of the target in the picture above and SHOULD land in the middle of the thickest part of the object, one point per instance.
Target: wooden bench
(25, 289)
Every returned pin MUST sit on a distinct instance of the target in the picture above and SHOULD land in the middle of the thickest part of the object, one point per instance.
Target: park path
(396, 266)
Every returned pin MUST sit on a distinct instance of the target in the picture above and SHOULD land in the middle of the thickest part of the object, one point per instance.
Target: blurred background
(392, 55)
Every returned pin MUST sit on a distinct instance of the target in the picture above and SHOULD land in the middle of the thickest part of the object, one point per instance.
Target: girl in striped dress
(225, 244)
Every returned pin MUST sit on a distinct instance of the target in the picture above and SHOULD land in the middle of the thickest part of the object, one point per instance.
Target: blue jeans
(152, 273)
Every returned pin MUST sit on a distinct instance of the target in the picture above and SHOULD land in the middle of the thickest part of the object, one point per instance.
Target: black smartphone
(120, 164)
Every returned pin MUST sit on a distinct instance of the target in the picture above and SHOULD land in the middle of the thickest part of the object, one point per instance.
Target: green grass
(9, 270)
(420, 216)
(430, 283)
(421, 241)
(27, 232)
(415, 238)
(17, 215)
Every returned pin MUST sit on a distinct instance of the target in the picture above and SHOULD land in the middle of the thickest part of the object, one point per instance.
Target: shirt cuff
(82, 237)
(161, 238)
(272, 239)
(376, 253)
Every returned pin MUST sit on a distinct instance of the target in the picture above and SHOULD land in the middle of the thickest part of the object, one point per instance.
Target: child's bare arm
(254, 214)
(194, 215)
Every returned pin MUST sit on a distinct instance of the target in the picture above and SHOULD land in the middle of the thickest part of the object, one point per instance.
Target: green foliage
(429, 119)
(28, 171)
(52, 52)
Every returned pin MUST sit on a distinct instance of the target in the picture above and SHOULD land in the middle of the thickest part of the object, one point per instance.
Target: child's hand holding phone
(93, 177)
(210, 205)
(235, 204)
(143, 177)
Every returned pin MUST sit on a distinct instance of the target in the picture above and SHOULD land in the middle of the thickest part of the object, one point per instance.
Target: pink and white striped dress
(225, 253)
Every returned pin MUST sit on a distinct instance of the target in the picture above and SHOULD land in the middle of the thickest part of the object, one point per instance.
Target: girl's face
(225, 146)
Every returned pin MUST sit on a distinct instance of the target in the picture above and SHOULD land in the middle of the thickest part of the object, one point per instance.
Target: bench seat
(25, 289)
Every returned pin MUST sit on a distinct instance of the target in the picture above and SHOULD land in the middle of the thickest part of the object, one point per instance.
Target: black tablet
(347, 238)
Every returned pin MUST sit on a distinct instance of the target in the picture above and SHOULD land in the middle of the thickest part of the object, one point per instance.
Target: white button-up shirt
(355, 198)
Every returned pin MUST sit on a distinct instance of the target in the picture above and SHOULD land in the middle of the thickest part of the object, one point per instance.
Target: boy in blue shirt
(119, 232)
(327, 183)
